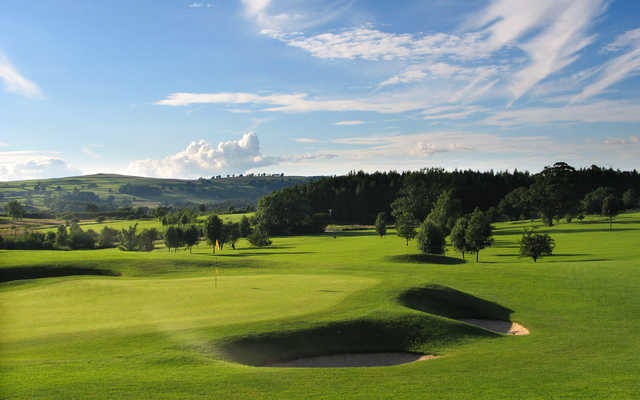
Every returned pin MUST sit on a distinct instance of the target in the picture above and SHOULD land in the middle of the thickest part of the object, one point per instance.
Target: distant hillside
(110, 191)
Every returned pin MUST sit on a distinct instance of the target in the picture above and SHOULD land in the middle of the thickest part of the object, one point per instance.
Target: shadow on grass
(406, 333)
(452, 303)
(425, 259)
(266, 253)
(20, 273)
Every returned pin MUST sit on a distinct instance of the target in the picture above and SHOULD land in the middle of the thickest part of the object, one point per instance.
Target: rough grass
(160, 330)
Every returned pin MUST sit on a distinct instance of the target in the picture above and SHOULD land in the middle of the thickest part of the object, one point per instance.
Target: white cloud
(602, 111)
(617, 69)
(306, 140)
(349, 123)
(19, 165)
(200, 5)
(374, 45)
(14, 82)
(295, 103)
(554, 31)
(202, 159)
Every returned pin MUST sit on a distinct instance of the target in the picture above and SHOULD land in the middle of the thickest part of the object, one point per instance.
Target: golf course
(106, 324)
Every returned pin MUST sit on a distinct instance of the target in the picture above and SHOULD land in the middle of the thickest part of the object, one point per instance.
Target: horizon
(189, 89)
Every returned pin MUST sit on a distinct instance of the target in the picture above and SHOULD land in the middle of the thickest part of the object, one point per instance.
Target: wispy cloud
(617, 69)
(15, 82)
(296, 103)
(306, 140)
(601, 111)
(200, 5)
(91, 150)
(349, 123)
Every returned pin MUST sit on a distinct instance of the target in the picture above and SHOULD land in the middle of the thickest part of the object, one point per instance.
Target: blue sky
(199, 88)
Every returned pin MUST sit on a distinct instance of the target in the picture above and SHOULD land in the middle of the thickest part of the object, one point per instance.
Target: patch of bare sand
(354, 360)
(504, 327)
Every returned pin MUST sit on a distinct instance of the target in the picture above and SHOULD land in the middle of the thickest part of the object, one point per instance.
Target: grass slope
(172, 191)
(160, 330)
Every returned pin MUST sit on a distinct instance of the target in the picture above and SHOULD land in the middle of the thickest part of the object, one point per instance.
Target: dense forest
(557, 191)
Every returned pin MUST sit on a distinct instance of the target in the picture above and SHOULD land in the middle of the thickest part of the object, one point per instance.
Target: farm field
(159, 325)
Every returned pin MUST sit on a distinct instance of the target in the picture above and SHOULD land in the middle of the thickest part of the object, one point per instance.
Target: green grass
(162, 330)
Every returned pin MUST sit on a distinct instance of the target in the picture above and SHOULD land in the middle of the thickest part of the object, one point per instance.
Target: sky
(188, 89)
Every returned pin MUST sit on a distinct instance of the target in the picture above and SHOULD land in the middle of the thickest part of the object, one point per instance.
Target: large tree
(553, 193)
(430, 238)
(458, 235)
(630, 199)
(406, 226)
(381, 224)
(173, 237)
(445, 211)
(610, 208)
(213, 230)
(191, 237)
(479, 233)
(15, 210)
(536, 245)
(592, 202)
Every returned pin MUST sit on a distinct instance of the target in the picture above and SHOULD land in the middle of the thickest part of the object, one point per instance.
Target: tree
(213, 230)
(129, 239)
(478, 234)
(630, 199)
(430, 239)
(62, 237)
(610, 208)
(15, 210)
(381, 224)
(173, 237)
(553, 192)
(406, 226)
(536, 245)
(191, 237)
(107, 237)
(458, 234)
(445, 211)
(259, 237)
(592, 202)
(245, 227)
(232, 233)
(147, 238)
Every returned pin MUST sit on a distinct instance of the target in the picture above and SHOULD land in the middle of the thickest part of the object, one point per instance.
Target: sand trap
(354, 360)
(504, 327)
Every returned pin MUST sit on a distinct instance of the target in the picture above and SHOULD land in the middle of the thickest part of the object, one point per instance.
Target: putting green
(90, 304)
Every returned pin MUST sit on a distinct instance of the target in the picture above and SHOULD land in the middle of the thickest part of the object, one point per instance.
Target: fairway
(161, 329)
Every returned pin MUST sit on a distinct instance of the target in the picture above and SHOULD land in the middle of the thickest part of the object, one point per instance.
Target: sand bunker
(354, 360)
(504, 327)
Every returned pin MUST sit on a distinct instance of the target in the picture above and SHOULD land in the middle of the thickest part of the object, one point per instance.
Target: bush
(259, 237)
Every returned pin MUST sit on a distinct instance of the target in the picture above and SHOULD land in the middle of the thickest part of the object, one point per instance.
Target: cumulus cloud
(15, 82)
(18, 165)
(202, 159)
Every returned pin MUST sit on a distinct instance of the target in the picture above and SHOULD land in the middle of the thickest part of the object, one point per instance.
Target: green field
(158, 327)
(41, 193)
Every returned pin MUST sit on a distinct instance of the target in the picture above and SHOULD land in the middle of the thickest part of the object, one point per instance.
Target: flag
(217, 272)
(217, 245)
